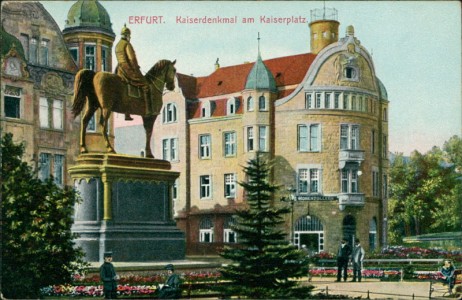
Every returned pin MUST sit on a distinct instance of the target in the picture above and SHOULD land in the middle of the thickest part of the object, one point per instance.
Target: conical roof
(260, 77)
(89, 14)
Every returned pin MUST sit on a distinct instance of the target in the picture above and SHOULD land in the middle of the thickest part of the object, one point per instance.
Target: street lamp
(292, 197)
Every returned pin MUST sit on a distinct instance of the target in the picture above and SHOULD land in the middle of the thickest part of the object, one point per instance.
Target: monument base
(126, 208)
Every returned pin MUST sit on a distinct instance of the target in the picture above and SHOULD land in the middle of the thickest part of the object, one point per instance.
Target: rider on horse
(129, 70)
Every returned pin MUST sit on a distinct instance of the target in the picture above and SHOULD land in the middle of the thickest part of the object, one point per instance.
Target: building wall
(50, 79)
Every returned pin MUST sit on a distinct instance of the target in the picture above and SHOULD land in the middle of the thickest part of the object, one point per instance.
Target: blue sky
(416, 48)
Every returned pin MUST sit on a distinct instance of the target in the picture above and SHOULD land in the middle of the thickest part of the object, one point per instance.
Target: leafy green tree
(37, 243)
(425, 192)
(265, 264)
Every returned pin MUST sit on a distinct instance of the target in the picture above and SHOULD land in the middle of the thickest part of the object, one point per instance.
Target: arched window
(250, 104)
(262, 103)
(373, 233)
(229, 236)
(309, 231)
(206, 230)
(169, 114)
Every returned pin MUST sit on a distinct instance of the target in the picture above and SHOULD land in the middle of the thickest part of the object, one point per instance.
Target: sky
(415, 46)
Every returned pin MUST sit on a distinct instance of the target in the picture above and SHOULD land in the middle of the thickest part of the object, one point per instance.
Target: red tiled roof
(286, 70)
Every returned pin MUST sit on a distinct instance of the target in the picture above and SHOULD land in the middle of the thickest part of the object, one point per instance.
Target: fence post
(431, 290)
(402, 274)
(368, 295)
(327, 290)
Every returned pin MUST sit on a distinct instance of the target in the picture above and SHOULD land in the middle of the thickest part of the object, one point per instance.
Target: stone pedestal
(126, 208)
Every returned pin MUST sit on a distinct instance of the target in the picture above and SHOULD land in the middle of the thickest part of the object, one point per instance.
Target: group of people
(345, 252)
(169, 290)
(343, 257)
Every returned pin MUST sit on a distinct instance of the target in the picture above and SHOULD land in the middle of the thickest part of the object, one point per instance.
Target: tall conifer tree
(265, 265)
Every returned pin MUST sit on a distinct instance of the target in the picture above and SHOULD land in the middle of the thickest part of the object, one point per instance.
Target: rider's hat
(125, 30)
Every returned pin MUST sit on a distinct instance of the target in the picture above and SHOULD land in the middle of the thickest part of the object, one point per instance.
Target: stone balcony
(351, 199)
(354, 156)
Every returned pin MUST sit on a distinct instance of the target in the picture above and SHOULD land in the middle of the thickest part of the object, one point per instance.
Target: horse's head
(170, 76)
(164, 72)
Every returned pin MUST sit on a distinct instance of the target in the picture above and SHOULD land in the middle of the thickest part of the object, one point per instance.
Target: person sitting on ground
(171, 288)
(448, 272)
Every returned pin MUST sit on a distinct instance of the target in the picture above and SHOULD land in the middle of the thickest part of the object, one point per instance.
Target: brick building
(321, 117)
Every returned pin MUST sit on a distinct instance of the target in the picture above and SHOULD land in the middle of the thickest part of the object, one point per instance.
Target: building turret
(324, 28)
(260, 77)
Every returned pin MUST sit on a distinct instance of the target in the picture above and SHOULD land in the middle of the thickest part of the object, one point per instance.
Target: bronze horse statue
(107, 91)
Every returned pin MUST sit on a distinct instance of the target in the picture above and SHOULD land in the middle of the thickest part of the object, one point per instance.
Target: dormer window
(350, 73)
(206, 111)
(232, 106)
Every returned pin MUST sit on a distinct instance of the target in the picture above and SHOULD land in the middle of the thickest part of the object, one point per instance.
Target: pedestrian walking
(357, 259)
(108, 277)
(343, 256)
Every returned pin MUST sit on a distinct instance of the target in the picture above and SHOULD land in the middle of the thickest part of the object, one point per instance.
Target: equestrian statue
(127, 92)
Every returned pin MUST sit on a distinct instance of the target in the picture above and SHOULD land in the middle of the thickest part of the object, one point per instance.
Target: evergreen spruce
(265, 265)
(37, 243)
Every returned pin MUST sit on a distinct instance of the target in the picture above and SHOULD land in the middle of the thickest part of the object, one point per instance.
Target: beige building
(37, 88)
(321, 117)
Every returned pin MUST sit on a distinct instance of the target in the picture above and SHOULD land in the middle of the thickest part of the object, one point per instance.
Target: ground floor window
(309, 231)
(206, 230)
(373, 234)
(229, 235)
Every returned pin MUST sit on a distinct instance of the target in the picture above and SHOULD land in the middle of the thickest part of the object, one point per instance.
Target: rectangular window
(327, 100)
(170, 149)
(345, 101)
(91, 127)
(205, 186)
(250, 138)
(24, 38)
(175, 190)
(75, 55)
(230, 185)
(44, 55)
(44, 166)
(375, 183)
(384, 146)
(314, 180)
(373, 141)
(385, 186)
(90, 58)
(353, 102)
(57, 114)
(229, 236)
(349, 137)
(206, 235)
(44, 113)
(303, 181)
(309, 137)
(58, 169)
(308, 101)
(230, 143)
(262, 103)
(262, 144)
(336, 100)
(349, 181)
(204, 145)
(12, 107)
(104, 59)
(33, 51)
(309, 181)
(318, 100)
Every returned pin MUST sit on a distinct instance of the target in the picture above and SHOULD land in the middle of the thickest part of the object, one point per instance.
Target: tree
(425, 192)
(265, 264)
(37, 243)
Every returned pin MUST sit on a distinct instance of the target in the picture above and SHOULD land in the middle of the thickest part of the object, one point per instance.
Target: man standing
(108, 277)
(357, 259)
(129, 69)
(343, 256)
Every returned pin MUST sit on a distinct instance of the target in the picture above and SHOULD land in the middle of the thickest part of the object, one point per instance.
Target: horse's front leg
(148, 123)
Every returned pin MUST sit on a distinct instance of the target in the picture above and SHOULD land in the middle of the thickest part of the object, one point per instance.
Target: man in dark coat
(171, 288)
(343, 256)
(108, 277)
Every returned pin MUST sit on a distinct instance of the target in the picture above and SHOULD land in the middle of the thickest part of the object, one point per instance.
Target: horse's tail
(83, 87)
